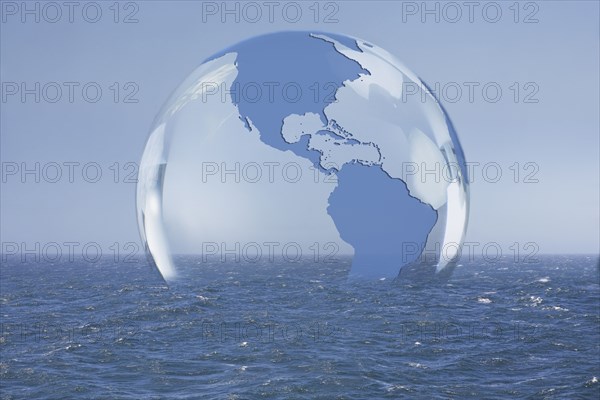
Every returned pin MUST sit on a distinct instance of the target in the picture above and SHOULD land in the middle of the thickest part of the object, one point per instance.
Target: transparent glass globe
(303, 148)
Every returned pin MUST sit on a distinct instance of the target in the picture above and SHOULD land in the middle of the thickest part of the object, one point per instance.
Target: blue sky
(554, 61)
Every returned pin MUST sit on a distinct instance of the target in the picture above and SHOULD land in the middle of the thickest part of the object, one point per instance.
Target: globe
(298, 148)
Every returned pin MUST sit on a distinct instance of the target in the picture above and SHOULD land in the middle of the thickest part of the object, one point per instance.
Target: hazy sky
(546, 118)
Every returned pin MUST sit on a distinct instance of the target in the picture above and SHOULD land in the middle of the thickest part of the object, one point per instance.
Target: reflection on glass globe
(300, 148)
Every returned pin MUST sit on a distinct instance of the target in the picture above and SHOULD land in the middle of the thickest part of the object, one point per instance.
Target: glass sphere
(298, 148)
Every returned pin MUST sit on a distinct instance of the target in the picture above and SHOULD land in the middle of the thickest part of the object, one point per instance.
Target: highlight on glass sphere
(299, 150)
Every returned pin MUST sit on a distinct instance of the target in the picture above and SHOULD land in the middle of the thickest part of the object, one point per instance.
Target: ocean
(107, 330)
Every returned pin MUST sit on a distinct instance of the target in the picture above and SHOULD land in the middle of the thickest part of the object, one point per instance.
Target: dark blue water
(116, 331)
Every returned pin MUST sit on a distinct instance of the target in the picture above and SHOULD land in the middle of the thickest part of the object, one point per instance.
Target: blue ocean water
(116, 331)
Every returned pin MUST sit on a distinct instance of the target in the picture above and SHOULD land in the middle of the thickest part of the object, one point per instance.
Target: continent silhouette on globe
(298, 147)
